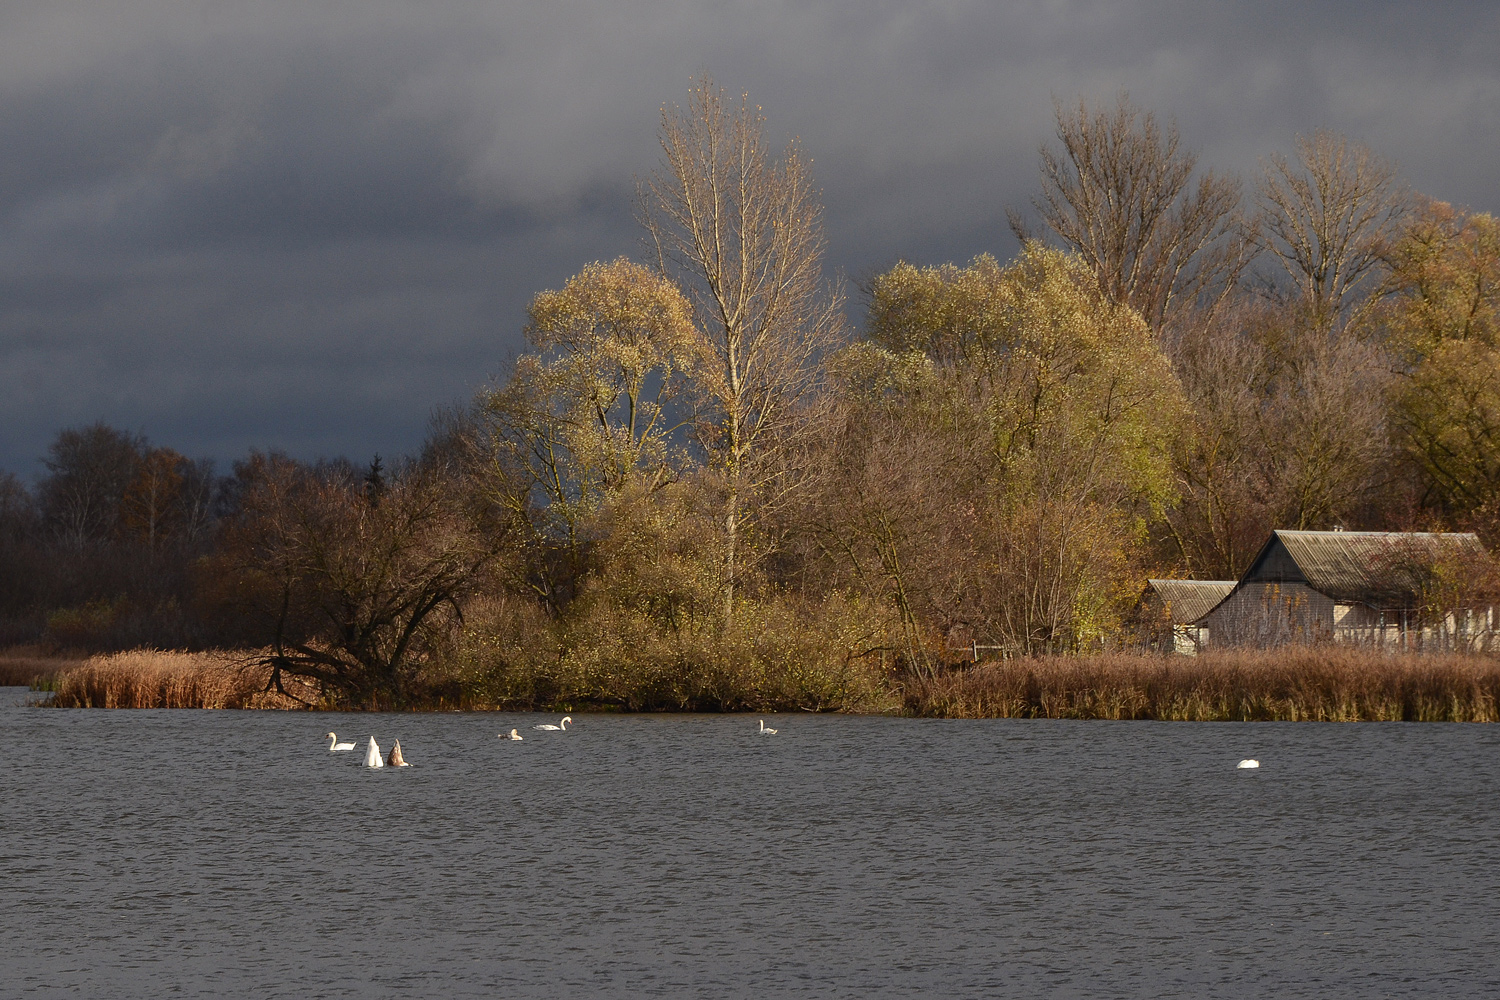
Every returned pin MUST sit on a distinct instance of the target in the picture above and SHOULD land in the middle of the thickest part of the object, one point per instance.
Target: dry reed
(25, 666)
(148, 678)
(1320, 684)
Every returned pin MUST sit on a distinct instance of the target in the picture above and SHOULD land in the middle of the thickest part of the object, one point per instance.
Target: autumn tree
(1121, 193)
(742, 233)
(1325, 218)
(153, 499)
(993, 473)
(594, 404)
(1444, 279)
(1290, 392)
(1442, 315)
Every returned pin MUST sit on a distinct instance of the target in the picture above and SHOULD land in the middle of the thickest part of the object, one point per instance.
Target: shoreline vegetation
(1319, 684)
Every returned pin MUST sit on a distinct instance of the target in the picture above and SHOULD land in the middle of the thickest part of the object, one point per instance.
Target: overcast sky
(303, 225)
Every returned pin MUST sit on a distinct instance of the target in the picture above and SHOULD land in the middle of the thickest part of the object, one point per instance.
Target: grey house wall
(1271, 614)
(1275, 614)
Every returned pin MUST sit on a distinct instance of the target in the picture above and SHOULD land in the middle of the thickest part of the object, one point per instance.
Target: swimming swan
(513, 736)
(395, 759)
(334, 746)
(764, 731)
(564, 727)
(1248, 762)
(372, 755)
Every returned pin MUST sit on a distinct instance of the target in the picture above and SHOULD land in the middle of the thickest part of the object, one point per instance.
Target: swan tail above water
(372, 755)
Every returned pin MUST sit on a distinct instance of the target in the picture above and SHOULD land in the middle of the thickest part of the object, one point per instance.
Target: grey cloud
(303, 226)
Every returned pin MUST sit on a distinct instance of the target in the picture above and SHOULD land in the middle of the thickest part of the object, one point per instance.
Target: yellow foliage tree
(590, 408)
(1015, 471)
(1443, 315)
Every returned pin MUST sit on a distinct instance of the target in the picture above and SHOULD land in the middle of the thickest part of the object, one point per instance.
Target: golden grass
(149, 678)
(1323, 684)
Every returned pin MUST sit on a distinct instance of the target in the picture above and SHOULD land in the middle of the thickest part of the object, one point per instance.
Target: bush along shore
(1319, 684)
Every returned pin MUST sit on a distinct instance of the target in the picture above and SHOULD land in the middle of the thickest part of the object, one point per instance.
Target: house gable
(1274, 564)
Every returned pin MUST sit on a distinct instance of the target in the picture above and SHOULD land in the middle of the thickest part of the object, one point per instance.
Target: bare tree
(89, 470)
(1120, 193)
(1327, 219)
(743, 233)
(1223, 512)
(152, 499)
(1289, 430)
(350, 593)
(894, 512)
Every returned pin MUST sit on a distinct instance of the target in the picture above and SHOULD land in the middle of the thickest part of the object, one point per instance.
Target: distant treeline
(701, 487)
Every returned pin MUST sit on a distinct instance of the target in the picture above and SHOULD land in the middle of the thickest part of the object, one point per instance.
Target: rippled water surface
(182, 853)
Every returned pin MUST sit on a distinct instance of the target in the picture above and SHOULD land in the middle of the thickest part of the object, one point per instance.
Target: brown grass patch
(149, 678)
(1290, 684)
(24, 666)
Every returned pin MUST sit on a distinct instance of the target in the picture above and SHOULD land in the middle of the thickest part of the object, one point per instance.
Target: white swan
(1248, 762)
(764, 731)
(547, 725)
(334, 746)
(513, 736)
(395, 759)
(372, 755)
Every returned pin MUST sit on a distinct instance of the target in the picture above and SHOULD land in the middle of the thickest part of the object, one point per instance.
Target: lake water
(182, 853)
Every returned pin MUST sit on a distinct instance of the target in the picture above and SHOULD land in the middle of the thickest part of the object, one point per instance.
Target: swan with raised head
(1248, 762)
(372, 755)
(513, 736)
(395, 759)
(764, 730)
(334, 746)
(563, 726)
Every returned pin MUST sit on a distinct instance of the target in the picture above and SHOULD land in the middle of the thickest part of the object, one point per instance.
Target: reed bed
(1318, 684)
(26, 667)
(149, 678)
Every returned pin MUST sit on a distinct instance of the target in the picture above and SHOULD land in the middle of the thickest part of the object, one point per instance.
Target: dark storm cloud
(303, 226)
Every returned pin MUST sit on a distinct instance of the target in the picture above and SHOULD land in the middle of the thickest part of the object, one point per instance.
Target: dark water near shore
(155, 853)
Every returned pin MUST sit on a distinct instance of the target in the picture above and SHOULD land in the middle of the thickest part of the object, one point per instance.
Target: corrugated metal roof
(1378, 568)
(1187, 600)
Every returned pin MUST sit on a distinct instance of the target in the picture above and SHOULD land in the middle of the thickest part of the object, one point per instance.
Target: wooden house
(1368, 587)
(1364, 587)
(1171, 611)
